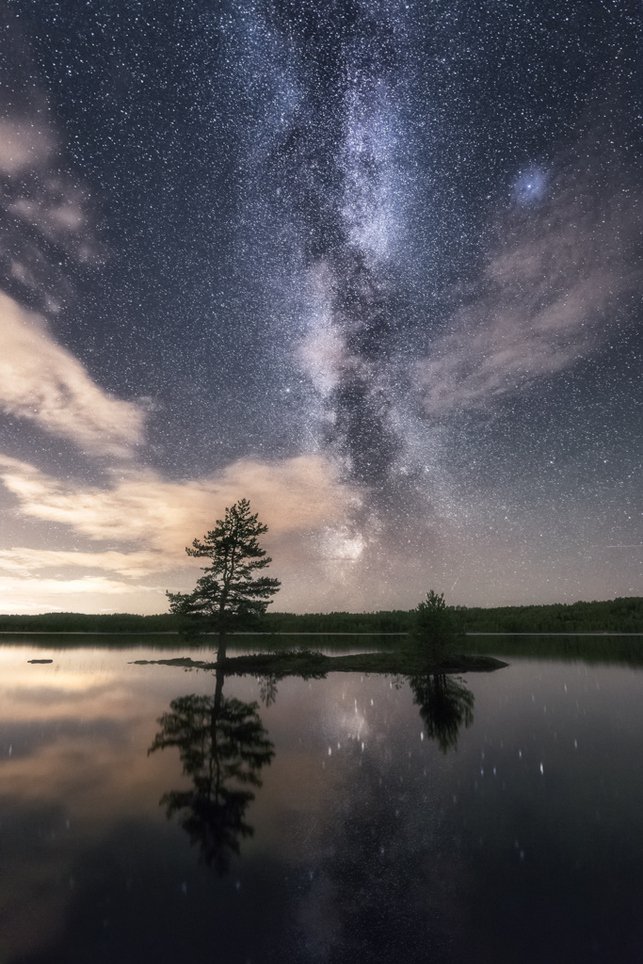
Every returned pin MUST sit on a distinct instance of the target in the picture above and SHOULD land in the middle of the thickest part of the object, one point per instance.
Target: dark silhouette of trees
(231, 592)
(434, 627)
(223, 746)
(446, 705)
(624, 615)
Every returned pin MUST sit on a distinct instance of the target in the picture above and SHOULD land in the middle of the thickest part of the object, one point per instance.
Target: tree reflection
(445, 706)
(223, 746)
(268, 689)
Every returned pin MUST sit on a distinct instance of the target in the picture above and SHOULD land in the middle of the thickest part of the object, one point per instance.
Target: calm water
(498, 817)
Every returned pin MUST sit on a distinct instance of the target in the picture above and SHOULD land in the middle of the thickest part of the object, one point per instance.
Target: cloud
(45, 231)
(46, 228)
(84, 594)
(146, 522)
(42, 580)
(56, 214)
(24, 145)
(26, 562)
(143, 509)
(42, 382)
(543, 302)
(10, 586)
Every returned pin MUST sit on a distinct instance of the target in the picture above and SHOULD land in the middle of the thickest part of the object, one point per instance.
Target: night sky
(374, 265)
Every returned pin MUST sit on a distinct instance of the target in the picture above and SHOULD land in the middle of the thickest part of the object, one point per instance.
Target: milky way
(374, 265)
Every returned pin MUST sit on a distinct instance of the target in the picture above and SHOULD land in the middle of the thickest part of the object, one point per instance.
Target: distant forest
(624, 615)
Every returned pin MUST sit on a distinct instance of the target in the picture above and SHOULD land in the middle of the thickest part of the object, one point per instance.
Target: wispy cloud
(45, 231)
(58, 211)
(142, 509)
(46, 228)
(24, 145)
(141, 523)
(544, 300)
(88, 585)
(78, 593)
(43, 382)
(26, 562)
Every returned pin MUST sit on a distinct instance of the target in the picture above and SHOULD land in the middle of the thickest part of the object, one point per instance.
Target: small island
(308, 663)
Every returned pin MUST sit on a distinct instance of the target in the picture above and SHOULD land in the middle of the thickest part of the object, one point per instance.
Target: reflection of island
(223, 746)
(445, 705)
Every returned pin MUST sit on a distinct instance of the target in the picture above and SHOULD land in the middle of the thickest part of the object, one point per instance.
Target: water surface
(492, 817)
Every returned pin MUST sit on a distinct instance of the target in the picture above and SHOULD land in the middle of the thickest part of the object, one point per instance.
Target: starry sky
(372, 264)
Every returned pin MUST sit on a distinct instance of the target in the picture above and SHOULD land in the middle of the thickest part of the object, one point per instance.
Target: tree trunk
(218, 697)
(221, 648)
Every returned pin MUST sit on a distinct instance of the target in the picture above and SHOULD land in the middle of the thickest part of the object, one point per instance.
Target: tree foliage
(231, 592)
(434, 624)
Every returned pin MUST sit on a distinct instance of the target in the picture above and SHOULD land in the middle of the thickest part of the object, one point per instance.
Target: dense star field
(374, 265)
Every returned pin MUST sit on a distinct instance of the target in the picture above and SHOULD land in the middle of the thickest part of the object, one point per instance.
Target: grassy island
(310, 663)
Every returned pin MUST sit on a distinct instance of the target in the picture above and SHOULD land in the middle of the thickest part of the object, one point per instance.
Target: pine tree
(434, 627)
(231, 592)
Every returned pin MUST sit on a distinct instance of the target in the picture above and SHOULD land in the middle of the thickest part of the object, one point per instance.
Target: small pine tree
(434, 627)
(230, 593)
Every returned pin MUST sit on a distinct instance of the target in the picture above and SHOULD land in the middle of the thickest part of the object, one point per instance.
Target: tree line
(621, 615)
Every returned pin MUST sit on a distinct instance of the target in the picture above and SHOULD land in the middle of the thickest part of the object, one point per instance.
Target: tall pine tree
(231, 592)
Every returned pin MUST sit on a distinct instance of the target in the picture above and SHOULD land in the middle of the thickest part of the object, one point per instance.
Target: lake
(153, 814)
